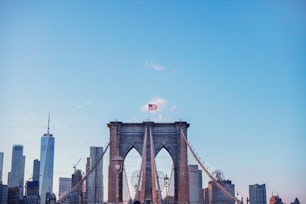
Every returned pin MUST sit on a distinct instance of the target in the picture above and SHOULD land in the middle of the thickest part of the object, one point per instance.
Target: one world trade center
(46, 164)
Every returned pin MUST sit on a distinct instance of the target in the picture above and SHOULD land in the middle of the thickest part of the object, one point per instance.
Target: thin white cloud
(157, 67)
(154, 66)
(83, 105)
(160, 102)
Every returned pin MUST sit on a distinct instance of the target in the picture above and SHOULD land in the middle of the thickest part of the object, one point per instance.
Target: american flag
(152, 107)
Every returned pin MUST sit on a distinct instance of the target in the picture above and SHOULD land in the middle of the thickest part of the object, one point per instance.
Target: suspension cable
(74, 188)
(126, 182)
(207, 172)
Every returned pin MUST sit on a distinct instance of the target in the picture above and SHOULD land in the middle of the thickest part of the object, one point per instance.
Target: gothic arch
(126, 136)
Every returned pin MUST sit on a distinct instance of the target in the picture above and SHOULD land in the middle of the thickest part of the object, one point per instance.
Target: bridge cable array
(141, 180)
(207, 172)
(125, 182)
(75, 187)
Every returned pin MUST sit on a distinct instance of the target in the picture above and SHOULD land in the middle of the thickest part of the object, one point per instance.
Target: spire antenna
(48, 123)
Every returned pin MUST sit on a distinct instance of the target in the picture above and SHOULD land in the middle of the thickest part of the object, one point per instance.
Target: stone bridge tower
(126, 136)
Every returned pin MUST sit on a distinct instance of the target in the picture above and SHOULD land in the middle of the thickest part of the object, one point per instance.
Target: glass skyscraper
(16, 175)
(1, 165)
(257, 194)
(46, 165)
(36, 165)
(94, 183)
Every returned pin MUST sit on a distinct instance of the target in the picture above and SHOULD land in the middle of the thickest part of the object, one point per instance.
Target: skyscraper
(3, 188)
(195, 184)
(3, 193)
(257, 194)
(77, 195)
(64, 187)
(16, 175)
(36, 165)
(32, 192)
(1, 166)
(94, 183)
(46, 164)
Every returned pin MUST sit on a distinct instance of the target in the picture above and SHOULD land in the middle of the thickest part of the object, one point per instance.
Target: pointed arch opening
(164, 165)
(132, 164)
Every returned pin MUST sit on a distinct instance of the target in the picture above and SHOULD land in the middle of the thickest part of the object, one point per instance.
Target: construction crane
(76, 164)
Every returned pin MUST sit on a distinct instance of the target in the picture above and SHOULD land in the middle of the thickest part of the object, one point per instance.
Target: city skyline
(234, 70)
(83, 169)
(132, 155)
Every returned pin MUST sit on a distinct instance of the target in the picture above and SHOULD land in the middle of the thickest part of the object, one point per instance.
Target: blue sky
(234, 70)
